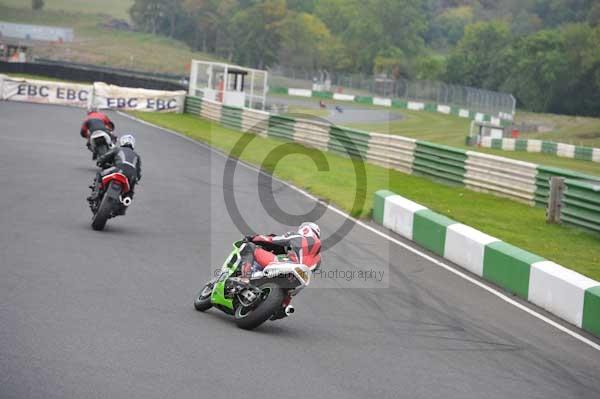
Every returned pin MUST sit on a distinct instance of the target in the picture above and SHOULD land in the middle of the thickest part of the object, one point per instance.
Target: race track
(352, 112)
(87, 314)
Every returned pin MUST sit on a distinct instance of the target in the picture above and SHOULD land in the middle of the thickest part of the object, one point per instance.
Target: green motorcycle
(262, 298)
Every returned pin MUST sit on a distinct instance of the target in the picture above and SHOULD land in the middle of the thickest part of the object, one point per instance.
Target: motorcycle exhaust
(126, 201)
(289, 309)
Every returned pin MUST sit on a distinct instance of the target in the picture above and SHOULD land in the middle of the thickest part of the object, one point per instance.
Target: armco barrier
(563, 292)
(581, 205)
(547, 147)
(501, 176)
(231, 117)
(312, 133)
(440, 162)
(543, 181)
(281, 127)
(348, 141)
(211, 110)
(254, 121)
(392, 152)
(517, 180)
(193, 105)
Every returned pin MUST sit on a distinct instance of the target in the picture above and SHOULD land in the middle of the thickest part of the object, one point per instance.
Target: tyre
(249, 319)
(104, 210)
(202, 300)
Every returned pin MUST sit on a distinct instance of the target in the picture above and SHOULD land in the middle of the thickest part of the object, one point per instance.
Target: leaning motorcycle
(100, 143)
(113, 200)
(266, 295)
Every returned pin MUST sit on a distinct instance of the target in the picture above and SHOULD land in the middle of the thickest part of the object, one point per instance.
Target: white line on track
(431, 259)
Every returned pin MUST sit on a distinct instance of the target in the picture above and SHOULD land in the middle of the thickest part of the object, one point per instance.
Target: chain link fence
(485, 101)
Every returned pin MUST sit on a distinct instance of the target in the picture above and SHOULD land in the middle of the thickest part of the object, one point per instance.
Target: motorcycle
(100, 143)
(113, 200)
(265, 297)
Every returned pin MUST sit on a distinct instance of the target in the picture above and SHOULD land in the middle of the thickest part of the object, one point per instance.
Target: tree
(375, 29)
(257, 32)
(146, 14)
(474, 60)
(430, 68)
(212, 21)
(540, 71)
(449, 26)
(305, 42)
(37, 4)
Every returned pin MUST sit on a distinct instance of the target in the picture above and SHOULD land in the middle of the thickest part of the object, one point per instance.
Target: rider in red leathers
(303, 246)
(96, 120)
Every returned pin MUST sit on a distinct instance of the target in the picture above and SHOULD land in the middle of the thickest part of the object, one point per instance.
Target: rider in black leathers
(122, 158)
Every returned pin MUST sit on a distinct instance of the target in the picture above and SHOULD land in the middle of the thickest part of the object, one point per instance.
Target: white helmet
(308, 229)
(127, 140)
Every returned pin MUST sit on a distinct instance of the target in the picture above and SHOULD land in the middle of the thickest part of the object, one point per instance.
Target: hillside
(114, 8)
(97, 44)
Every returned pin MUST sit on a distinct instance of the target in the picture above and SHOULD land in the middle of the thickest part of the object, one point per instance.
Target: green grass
(299, 112)
(428, 126)
(578, 130)
(452, 130)
(114, 8)
(95, 44)
(510, 221)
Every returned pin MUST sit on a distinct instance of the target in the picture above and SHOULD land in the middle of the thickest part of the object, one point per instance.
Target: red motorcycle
(113, 199)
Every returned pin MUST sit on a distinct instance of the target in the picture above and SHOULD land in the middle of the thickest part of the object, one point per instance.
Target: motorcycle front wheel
(202, 300)
(250, 318)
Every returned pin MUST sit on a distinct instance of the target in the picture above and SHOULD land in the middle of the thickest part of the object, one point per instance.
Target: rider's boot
(95, 190)
(246, 272)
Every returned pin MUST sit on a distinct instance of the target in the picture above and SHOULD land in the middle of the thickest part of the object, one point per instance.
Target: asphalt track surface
(87, 314)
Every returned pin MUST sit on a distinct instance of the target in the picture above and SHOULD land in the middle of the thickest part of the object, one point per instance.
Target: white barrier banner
(44, 92)
(343, 97)
(416, 106)
(386, 102)
(126, 98)
(444, 109)
(300, 92)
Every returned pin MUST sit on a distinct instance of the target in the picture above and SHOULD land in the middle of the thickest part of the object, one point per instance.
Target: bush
(37, 4)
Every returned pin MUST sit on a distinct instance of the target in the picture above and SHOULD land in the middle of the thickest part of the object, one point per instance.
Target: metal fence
(474, 99)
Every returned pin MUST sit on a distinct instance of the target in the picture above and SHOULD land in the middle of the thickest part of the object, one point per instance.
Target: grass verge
(95, 43)
(509, 221)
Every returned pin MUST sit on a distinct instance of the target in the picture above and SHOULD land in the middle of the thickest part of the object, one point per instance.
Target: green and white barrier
(563, 292)
(546, 147)
(581, 204)
(517, 180)
(501, 119)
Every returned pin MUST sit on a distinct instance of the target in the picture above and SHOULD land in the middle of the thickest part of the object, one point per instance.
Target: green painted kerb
(509, 267)
(379, 204)
(429, 230)
(591, 310)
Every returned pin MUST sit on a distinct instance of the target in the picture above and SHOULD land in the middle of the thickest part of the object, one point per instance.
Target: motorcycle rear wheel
(250, 318)
(100, 218)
